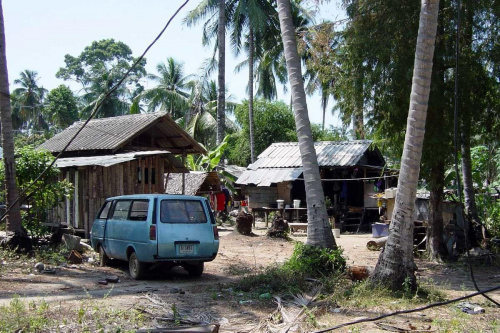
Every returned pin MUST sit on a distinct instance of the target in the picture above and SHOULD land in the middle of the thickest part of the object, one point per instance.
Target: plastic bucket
(296, 203)
(280, 203)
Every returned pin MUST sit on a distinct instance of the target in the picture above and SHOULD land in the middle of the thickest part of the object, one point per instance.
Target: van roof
(152, 196)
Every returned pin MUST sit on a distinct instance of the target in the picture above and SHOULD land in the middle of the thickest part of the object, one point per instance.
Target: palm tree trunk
(324, 103)
(14, 223)
(395, 268)
(319, 232)
(435, 245)
(250, 93)
(469, 195)
(359, 124)
(221, 97)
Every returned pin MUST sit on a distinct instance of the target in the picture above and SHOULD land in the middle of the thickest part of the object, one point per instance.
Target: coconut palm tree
(171, 92)
(395, 267)
(221, 93)
(14, 223)
(252, 20)
(202, 123)
(214, 29)
(319, 232)
(29, 100)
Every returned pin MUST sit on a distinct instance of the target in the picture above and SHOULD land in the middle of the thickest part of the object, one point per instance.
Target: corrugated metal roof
(109, 160)
(114, 132)
(234, 170)
(329, 153)
(265, 177)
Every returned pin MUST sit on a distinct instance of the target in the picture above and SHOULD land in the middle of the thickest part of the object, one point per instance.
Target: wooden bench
(297, 226)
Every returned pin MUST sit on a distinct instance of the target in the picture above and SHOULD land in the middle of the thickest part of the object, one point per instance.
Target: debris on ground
(359, 273)
(214, 328)
(470, 308)
(376, 244)
(112, 279)
(406, 327)
(39, 266)
(75, 257)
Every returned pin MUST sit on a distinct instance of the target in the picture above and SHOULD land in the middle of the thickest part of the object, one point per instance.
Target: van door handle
(102, 226)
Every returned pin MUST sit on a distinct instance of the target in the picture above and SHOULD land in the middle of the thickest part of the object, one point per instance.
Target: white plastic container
(390, 192)
(336, 233)
(296, 203)
(281, 203)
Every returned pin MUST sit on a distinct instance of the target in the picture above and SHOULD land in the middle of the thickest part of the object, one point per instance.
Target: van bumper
(177, 259)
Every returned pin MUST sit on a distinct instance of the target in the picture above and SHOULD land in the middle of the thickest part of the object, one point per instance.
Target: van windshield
(182, 211)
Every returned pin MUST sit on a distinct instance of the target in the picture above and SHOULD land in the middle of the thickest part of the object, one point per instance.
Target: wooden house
(349, 170)
(116, 156)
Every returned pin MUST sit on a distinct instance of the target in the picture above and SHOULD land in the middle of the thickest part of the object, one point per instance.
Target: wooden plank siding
(97, 183)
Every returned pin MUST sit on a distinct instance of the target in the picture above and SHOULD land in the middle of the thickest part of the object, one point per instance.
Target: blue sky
(40, 33)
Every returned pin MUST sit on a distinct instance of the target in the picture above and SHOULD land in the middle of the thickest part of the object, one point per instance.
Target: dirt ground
(208, 295)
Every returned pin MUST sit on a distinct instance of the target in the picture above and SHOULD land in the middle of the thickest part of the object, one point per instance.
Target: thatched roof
(196, 183)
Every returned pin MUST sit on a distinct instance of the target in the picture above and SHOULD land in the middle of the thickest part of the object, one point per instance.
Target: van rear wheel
(136, 268)
(103, 257)
(195, 269)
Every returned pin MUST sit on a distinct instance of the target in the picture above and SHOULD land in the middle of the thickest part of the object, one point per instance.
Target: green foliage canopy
(98, 68)
(61, 107)
(42, 196)
(274, 122)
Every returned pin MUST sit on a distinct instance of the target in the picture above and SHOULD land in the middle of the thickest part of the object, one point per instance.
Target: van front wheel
(103, 257)
(136, 268)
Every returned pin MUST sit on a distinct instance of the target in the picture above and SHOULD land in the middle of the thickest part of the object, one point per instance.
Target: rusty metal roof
(138, 131)
(329, 154)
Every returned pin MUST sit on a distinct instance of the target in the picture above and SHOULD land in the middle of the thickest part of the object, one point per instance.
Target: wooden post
(77, 200)
(68, 202)
(184, 174)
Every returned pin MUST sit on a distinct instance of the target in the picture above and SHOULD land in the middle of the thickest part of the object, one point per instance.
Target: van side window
(182, 211)
(105, 210)
(139, 211)
(121, 210)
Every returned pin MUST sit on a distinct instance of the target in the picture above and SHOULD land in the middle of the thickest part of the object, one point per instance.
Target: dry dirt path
(208, 294)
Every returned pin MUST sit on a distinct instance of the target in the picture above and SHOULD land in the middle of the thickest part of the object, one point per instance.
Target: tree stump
(279, 228)
(244, 223)
(18, 241)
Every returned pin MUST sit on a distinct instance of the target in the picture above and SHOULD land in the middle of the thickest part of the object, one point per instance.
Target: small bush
(315, 261)
(305, 262)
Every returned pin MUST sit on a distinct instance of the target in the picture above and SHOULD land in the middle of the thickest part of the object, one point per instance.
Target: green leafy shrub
(46, 194)
(306, 262)
(316, 261)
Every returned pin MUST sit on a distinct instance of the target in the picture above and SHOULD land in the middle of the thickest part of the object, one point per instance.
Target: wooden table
(268, 210)
(296, 210)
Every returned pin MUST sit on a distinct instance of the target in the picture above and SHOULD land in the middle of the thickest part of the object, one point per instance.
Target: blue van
(151, 228)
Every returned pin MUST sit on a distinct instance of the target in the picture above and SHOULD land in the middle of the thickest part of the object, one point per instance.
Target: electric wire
(100, 101)
(395, 313)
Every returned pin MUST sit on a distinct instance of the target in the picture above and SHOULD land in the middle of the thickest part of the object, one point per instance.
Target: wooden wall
(93, 184)
(260, 196)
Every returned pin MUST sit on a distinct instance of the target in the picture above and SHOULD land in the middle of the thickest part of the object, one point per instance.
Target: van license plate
(186, 248)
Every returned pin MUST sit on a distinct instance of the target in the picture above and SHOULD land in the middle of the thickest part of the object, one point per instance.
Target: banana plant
(210, 161)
